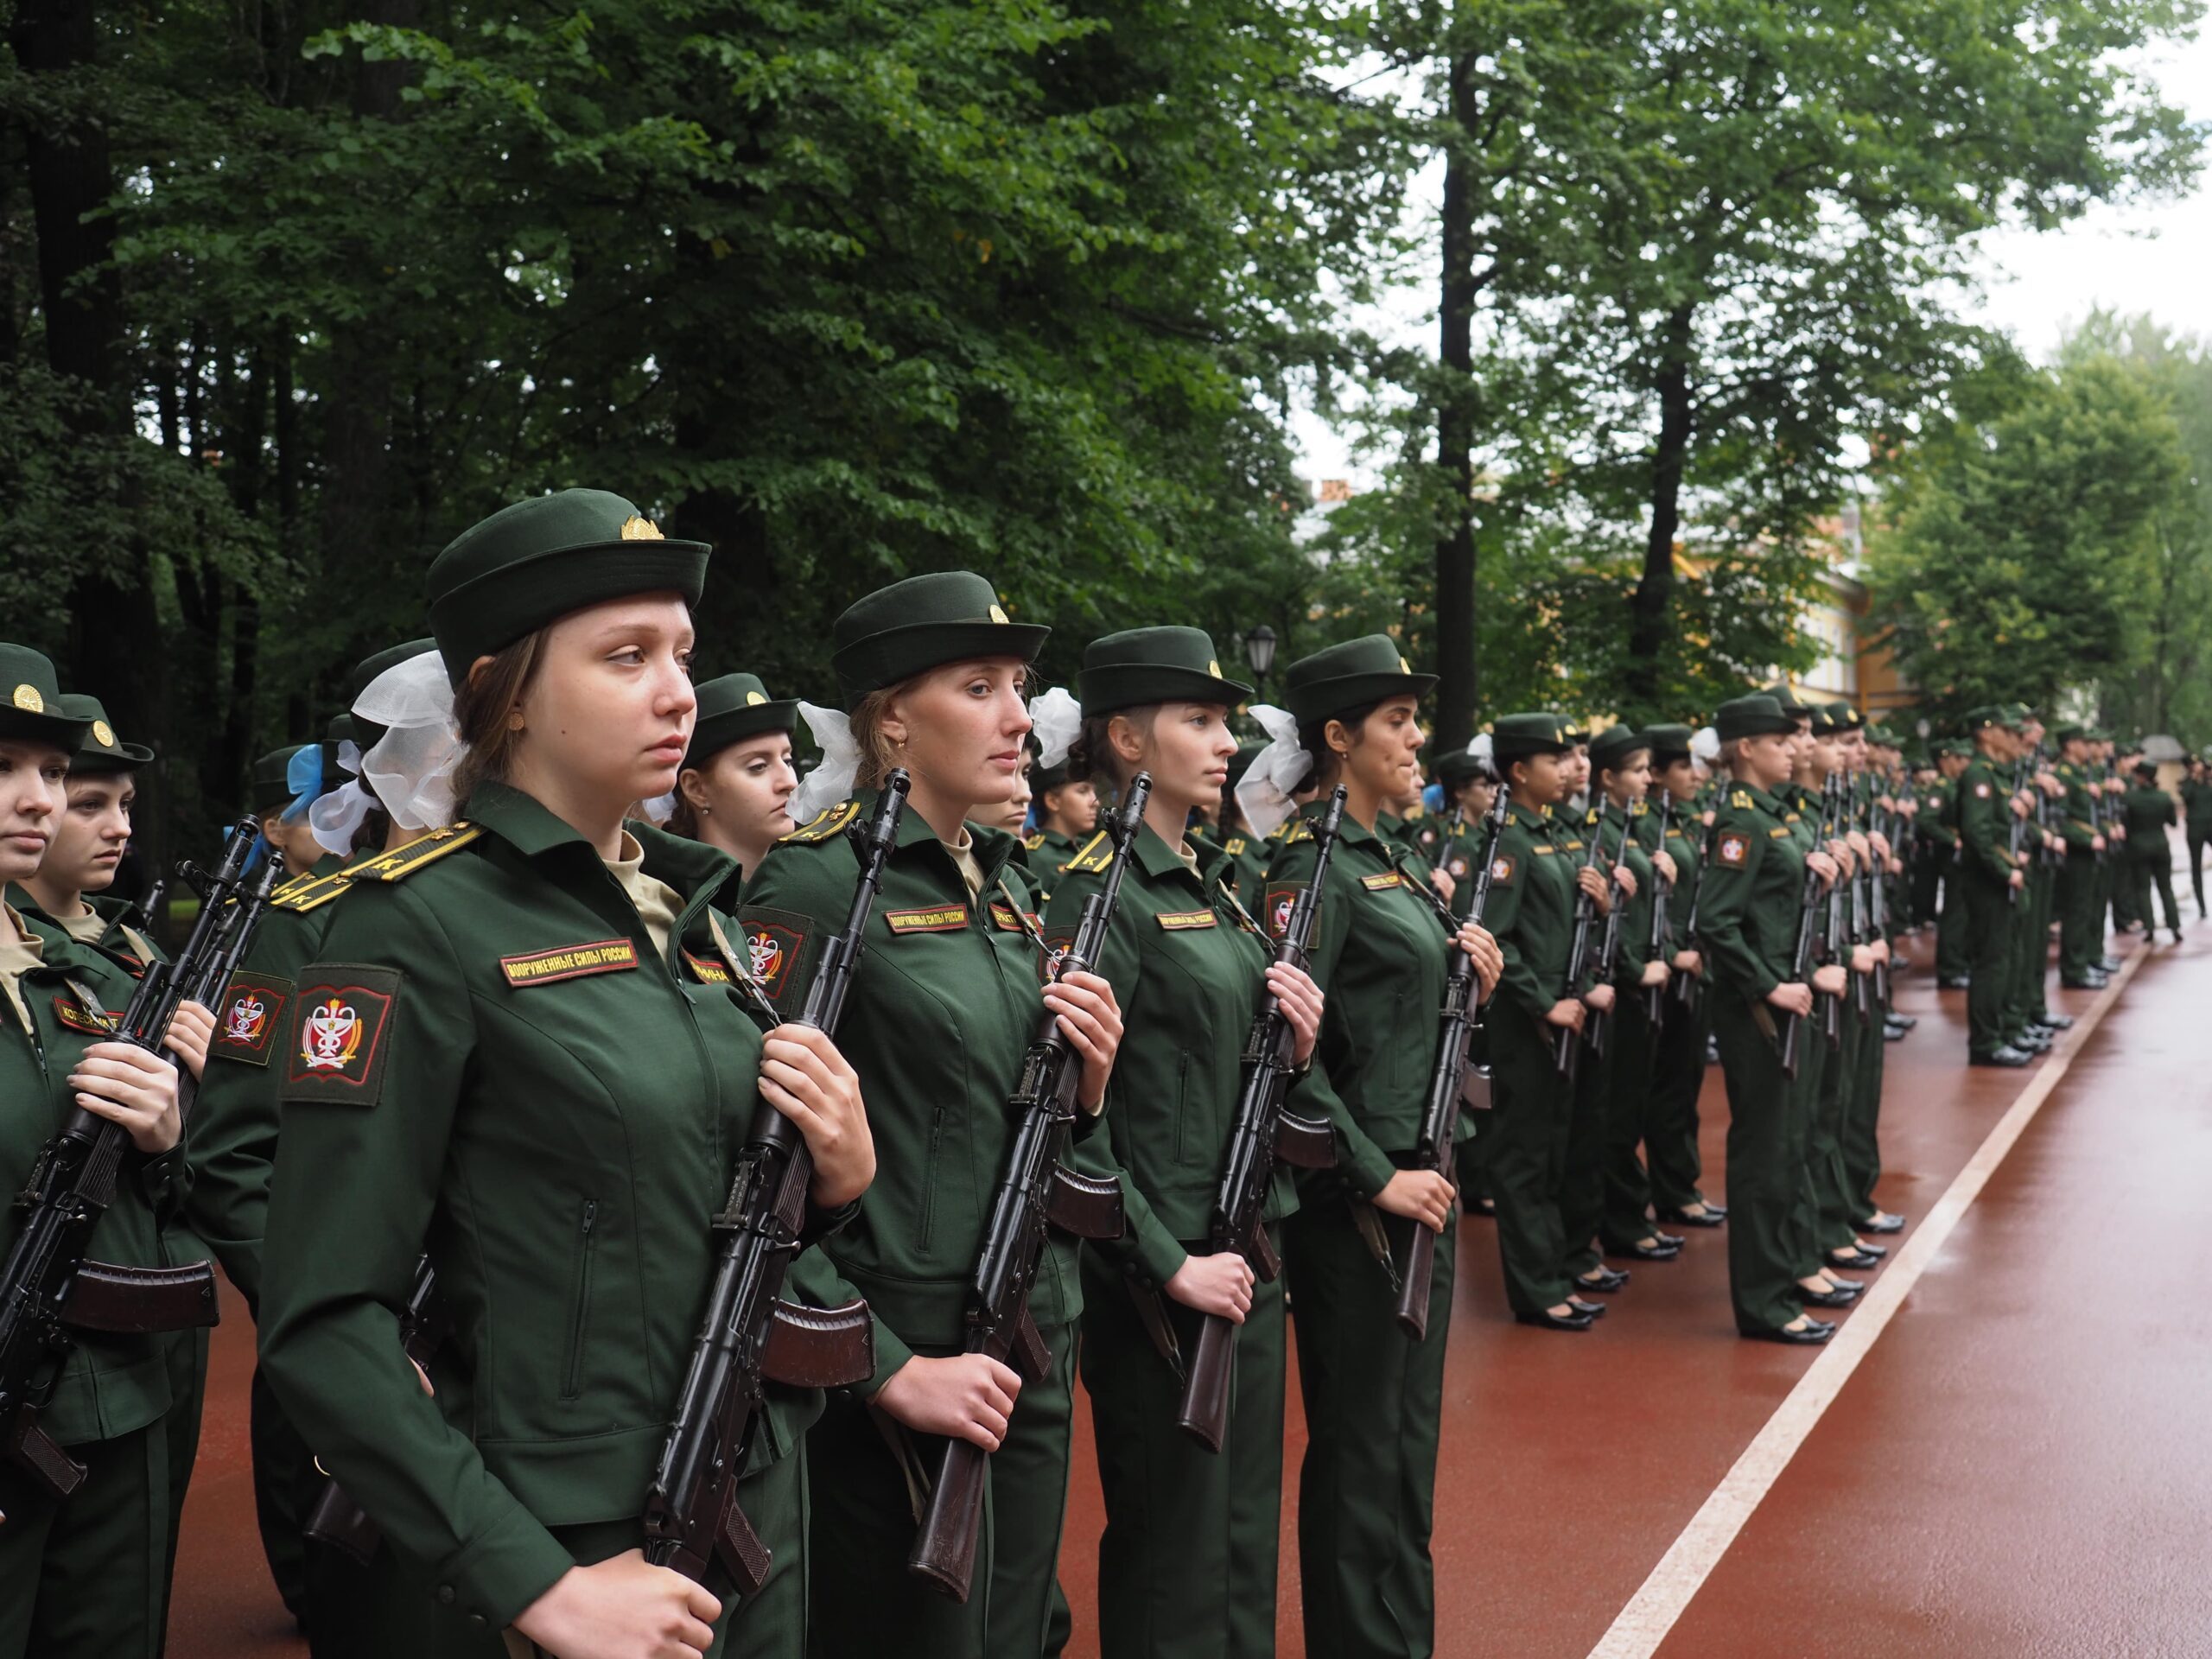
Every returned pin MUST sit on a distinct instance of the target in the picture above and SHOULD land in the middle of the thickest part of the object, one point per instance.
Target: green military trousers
(1768, 1121)
(1374, 1403)
(1531, 1106)
(1186, 1568)
(87, 1577)
(2030, 952)
(1990, 922)
(1670, 1149)
(1830, 1215)
(2194, 836)
(283, 1479)
(1953, 924)
(864, 1508)
(2081, 938)
(1631, 1092)
(1582, 1187)
(2156, 874)
(2120, 875)
(1862, 1146)
(1927, 872)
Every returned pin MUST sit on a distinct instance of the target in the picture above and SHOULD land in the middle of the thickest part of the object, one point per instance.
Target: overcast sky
(2157, 259)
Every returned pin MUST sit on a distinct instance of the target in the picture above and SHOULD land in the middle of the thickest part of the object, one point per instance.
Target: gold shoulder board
(1097, 853)
(404, 860)
(1033, 842)
(1296, 830)
(825, 824)
(305, 893)
(1740, 798)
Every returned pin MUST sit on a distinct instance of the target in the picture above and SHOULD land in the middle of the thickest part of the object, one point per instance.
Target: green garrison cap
(1987, 715)
(1145, 665)
(535, 561)
(2070, 733)
(269, 783)
(101, 750)
(367, 734)
(1668, 743)
(1757, 716)
(1823, 719)
(1348, 676)
(1613, 745)
(895, 632)
(1785, 697)
(2015, 716)
(1455, 769)
(1847, 718)
(30, 702)
(1571, 732)
(732, 708)
(1516, 737)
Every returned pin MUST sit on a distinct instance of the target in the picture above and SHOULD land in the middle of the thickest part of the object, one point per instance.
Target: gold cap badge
(754, 699)
(102, 735)
(27, 698)
(1213, 668)
(637, 528)
(997, 615)
(1404, 667)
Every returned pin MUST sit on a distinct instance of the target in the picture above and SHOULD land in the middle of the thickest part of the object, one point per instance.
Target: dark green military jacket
(1685, 843)
(2148, 811)
(232, 1133)
(1748, 915)
(1530, 910)
(110, 1384)
(1185, 960)
(1935, 820)
(2077, 816)
(1044, 855)
(491, 1061)
(1379, 956)
(941, 1011)
(1248, 863)
(1985, 819)
(1632, 939)
(2197, 803)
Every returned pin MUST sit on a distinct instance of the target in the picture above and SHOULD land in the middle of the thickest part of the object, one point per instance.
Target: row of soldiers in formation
(504, 1023)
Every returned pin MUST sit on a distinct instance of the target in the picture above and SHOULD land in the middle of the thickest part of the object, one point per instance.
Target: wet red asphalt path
(1571, 1462)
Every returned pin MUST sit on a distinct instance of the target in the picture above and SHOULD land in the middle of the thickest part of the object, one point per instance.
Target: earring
(514, 719)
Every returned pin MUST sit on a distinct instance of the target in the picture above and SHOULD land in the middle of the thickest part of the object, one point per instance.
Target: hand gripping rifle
(1264, 1135)
(48, 1289)
(1036, 1193)
(750, 1335)
(1810, 940)
(1567, 1046)
(1879, 888)
(1413, 1246)
(1654, 999)
(1861, 886)
(1600, 1026)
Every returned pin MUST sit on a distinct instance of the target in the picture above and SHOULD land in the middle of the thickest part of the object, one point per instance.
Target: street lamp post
(1260, 652)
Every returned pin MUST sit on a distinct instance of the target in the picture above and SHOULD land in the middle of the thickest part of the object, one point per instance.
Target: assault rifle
(1811, 940)
(1566, 1046)
(1654, 999)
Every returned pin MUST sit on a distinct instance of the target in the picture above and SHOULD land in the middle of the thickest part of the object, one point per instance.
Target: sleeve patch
(341, 1035)
(570, 962)
(1981, 791)
(1281, 898)
(776, 942)
(253, 1013)
(1734, 849)
(1501, 870)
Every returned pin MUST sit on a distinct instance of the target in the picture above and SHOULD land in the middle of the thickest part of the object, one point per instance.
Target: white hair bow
(1055, 718)
(831, 780)
(1264, 792)
(1480, 747)
(338, 814)
(410, 768)
(1705, 745)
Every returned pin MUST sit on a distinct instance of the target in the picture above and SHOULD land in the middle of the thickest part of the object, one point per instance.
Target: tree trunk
(1649, 623)
(1456, 678)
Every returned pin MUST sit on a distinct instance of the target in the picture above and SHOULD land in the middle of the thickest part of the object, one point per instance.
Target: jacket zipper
(579, 1301)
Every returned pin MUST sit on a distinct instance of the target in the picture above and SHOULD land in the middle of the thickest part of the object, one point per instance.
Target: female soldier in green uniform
(1747, 926)
(1373, 1395)
(1670, 1129)
(467, 1050)
(736, 790)
(931, 671)
(1066, 809)
(84, 1577)
(1187, 1564)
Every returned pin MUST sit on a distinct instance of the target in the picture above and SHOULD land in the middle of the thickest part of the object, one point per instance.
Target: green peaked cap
(1757, 716)
(1614, 745)
(100, 751)
(896, 633)
(537, 561)
(1516, 737)
(732, 708)
(30, 701)
(1348, 676)
(1668, 743)
(1139, 666)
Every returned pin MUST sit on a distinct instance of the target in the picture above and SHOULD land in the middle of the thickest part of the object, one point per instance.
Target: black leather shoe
(2029, 1040)
(1673, 1241)
(1812, 1336)
(1691, 1218)
(1649, 1252)
(1605, 1282)
(1883, 1225)
(1878, 1251)
(1957, 983)
(1546, 1320)
(1857, 1260)
(1589, 1310)
(2006, 1056)
(1838, 1297)
(2090, 982)
(1902, 1022)
(2055, 1021)
(1894, 1034)
(2108, 964)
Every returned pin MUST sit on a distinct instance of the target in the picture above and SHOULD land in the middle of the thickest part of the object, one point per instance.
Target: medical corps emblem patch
(251, 1012)
(1735, 848)
(341, 1034)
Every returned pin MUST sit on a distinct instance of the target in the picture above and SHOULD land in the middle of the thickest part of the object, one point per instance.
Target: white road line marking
(1652, 1611)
